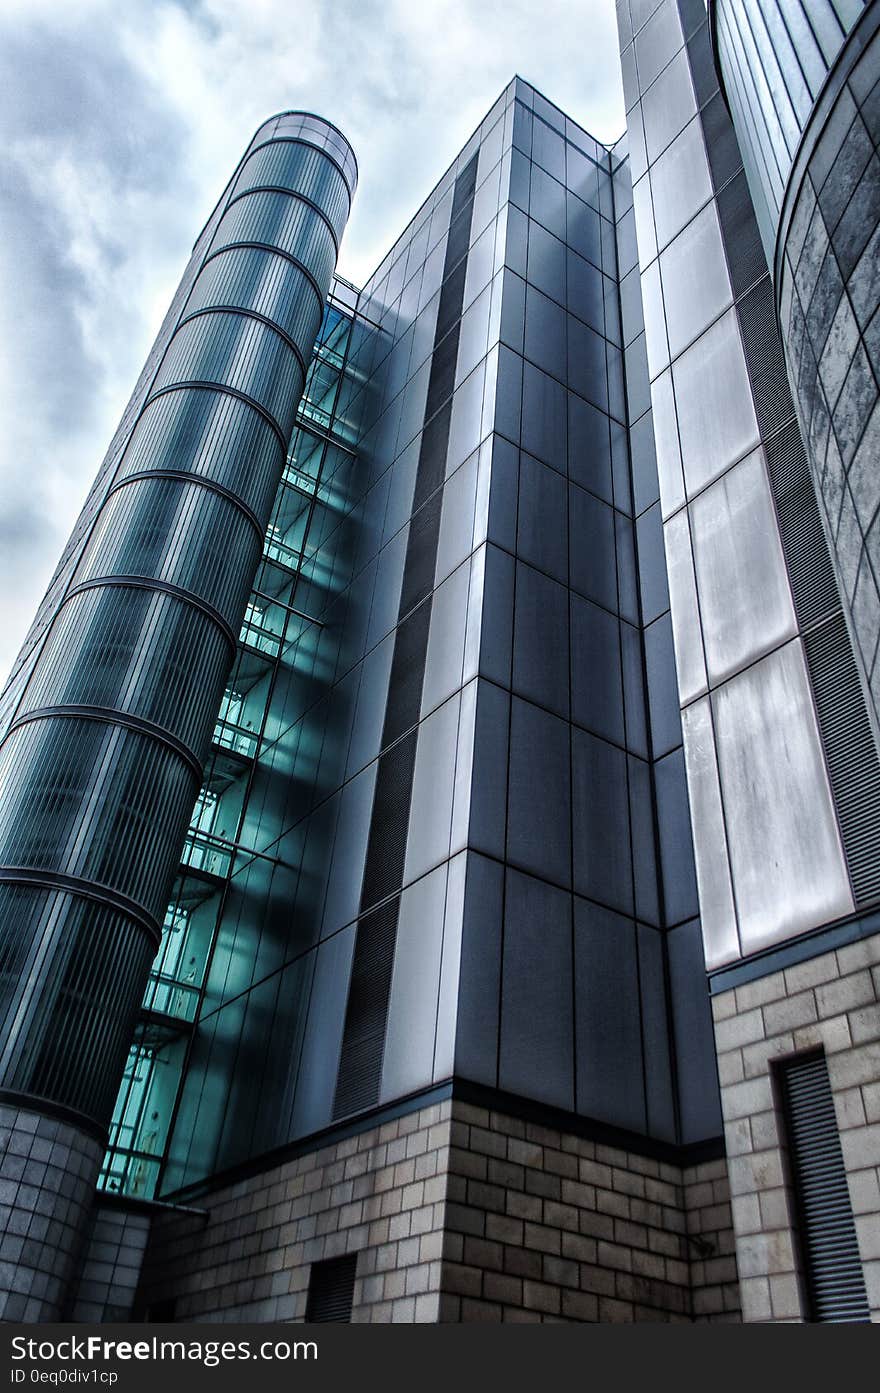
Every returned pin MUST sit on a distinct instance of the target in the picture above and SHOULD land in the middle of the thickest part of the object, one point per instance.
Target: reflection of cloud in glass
(120, 122)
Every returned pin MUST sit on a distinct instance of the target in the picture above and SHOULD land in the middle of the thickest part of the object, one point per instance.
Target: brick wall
(48, 1170)
(457, 1215)
(832, 1001)
(110, 1272)
(381, 1194)
(543, 1225)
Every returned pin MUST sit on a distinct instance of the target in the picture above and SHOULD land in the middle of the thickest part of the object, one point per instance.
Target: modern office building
(440, 821)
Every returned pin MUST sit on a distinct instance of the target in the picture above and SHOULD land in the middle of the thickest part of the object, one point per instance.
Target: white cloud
(122, 124)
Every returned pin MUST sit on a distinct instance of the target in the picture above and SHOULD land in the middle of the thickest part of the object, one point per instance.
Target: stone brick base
(48, 1170)
(833, 1001)
(457, 1214)
(542, 1225)
(109, 1275)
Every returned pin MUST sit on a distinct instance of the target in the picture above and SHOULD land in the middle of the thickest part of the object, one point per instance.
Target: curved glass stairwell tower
(108, 714)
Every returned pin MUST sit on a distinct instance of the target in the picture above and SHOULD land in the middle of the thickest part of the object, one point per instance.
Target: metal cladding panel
(777, 800)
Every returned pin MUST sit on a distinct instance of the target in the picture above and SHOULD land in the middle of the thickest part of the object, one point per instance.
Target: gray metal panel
(538, 830)
(536, 1055)
(602, 864)
(610, 1083)
(720, 937)
(430, 814)
(776, 795)
(408, 1061)
(686, 624)
(696, 285)
(540, 640)
(320, 1053)
(713, 396)
(743, 586)
(479, 992)
(698, 1101)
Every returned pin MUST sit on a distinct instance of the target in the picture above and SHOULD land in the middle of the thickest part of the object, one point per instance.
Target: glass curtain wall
(275, 632)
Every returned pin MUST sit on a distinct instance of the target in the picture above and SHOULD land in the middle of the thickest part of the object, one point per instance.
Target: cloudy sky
(121, 121)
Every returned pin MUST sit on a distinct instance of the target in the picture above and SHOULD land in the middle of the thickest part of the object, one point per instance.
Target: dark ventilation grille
(764, 356)
(721, 146)
(432, 455)
(813, 583)
(389, 823)
(451, 301)
(850, 751)
(833, 1270)
(407, 675)
(442, 378)
(421, 554)
(331, 1290)
(742, 241)
(366, 1013)
(363, 1045)
(457, 242)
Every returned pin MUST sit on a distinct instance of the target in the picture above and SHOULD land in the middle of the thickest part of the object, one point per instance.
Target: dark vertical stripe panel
(366, 1015)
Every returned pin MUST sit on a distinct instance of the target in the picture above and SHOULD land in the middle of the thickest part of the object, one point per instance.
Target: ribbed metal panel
(742, 241)
(833, 1269)
(407, 674)
(813, 582)
(389, 823)
(765, 358)
(366, 1017)
(850, 751)
(331, 1290)
(721, 147)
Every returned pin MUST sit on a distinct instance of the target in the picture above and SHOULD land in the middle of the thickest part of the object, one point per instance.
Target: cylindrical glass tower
(109, 711)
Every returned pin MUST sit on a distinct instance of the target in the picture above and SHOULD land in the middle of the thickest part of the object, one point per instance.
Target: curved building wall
(111, 708)
(800, 79)
(828, 290)
(774, 57)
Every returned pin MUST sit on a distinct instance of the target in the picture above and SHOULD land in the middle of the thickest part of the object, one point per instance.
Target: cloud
(122, 124)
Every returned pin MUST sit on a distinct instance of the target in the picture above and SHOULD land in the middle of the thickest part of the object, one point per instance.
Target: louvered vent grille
(763, 347)
(407, 675)
(360, 1064)
(389, 824)
(331, 1290)
(850, 751)
(811, 573)
(742, 241)
(833, 1273)
(721, 147)
(421, 554)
